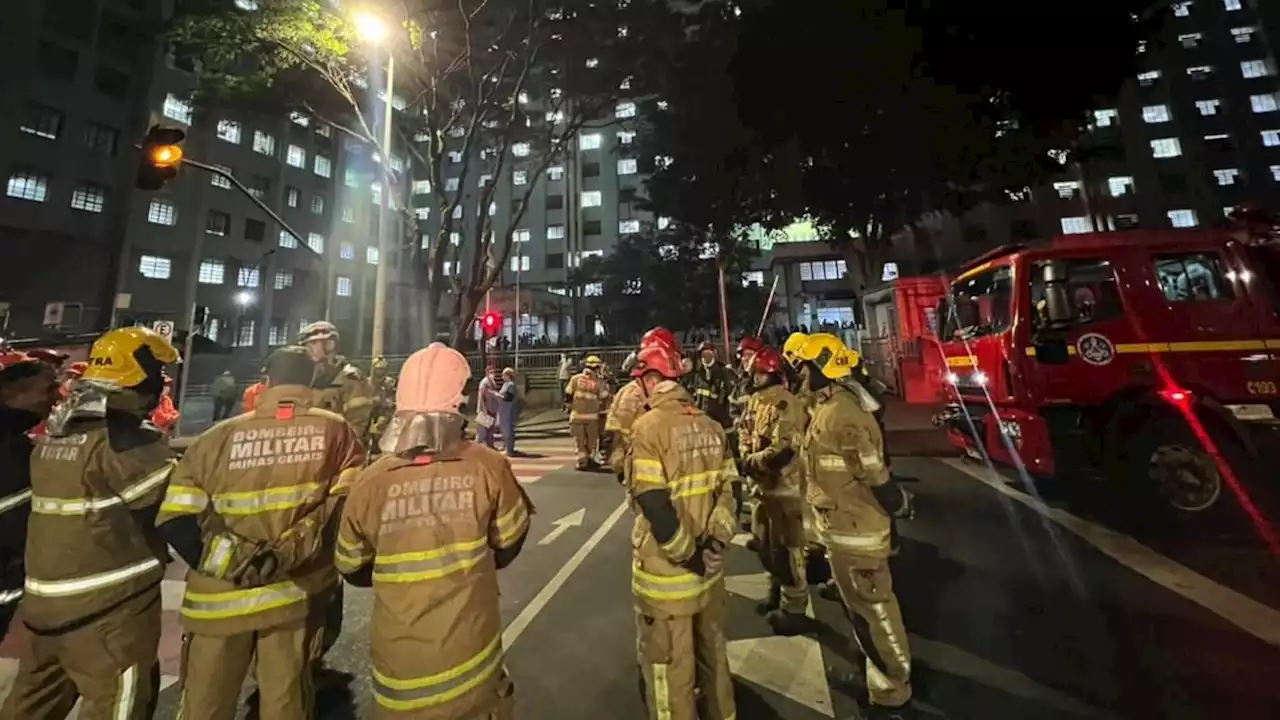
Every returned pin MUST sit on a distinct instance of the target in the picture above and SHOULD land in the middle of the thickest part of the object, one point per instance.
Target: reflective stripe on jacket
(428, 528)
(266, 479)
(88, 547)
(588, 394)
(676, 449)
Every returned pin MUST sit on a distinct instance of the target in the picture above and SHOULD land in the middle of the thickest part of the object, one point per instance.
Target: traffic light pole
(302, 242)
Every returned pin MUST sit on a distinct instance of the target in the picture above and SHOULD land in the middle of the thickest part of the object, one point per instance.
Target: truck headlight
(979, 378)
(953, 378)
(1011, 429)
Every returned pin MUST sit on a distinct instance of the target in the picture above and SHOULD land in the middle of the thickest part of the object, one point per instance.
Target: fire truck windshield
(980, 304)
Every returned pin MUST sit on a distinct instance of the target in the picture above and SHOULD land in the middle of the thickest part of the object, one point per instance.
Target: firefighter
(28, 392)
(712, 384)
(679, 476)
(92, 593)
(384, 402)
(340, 387)
(249, 509)
(853, 496)
(428, 526)
(777, 421)
(742, 388)
(630, 402)
(585, 395)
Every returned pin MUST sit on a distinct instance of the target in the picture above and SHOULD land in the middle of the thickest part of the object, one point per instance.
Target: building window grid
(1226, 176)
(175, 108)
(42, 121)
(212, 272)
(245, 333)
(25, 184)
(155, 267)
(219, 181)
(823, 270)
(230, 131)
(296, 156)
(263, 143)
(89, 198)
(162, 212)
(315, 241)
(343, 286)
(283, 280)
(287, 240)
(248, 276)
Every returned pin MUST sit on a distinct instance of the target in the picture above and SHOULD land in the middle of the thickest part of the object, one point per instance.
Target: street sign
(163, 328)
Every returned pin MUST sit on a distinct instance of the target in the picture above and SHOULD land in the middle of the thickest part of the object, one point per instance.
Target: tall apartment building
(1198, 132)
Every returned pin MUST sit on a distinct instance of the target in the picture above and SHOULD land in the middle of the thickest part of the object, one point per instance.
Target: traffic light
(490, 324)
(161, 157)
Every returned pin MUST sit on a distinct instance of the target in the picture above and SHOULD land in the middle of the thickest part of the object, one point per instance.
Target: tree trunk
(465, 306)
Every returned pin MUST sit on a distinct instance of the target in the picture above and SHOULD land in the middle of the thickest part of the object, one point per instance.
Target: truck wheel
(1168, 462)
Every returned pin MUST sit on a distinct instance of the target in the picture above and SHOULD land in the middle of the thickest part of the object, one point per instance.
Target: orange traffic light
(490, 323)
(161, 157)
(166, 156)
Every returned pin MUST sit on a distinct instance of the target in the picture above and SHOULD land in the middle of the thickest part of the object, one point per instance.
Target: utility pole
(384, 224)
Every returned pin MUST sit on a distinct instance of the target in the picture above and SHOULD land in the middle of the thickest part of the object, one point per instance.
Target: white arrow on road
(572, 520)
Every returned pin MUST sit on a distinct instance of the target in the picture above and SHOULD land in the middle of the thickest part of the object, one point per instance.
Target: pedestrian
(166, 414)
(252, 509)
(487, 399)
(508, 410)
(92, 594)
(436, 630)
(224, 395)
(564, 373)
(853, 498)
(679, 481)
(585, 396)
(28, 391)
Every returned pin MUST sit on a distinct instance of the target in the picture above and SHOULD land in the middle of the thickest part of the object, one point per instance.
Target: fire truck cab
(1150, 355)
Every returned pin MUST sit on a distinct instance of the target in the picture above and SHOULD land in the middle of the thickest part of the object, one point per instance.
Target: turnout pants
(586, 436)
(680, 653)
(109, 664)
(779, 533)
(866, 586)
(214, 668)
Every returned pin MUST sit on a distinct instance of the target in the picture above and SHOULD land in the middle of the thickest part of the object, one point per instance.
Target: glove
(260, 570)
(707, 559)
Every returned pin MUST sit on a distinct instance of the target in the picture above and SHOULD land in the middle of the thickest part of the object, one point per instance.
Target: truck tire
(1170, 470)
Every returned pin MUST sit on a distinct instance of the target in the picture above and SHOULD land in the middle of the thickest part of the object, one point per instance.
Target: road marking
(548, 591)
(1255, 618)
(562, 526)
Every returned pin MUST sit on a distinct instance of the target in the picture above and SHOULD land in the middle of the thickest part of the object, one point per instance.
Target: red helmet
(10, 358)
(45, 355)
(77, 368)
(750, 342)
(660, 336)
(767, 360)
(660, 359)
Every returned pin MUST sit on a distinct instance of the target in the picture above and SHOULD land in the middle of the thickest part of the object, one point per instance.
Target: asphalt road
(1016, 608)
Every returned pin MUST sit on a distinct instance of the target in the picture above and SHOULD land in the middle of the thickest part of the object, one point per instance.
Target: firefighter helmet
(126, 357)
(792, 345)
(77, 368)
(660, 359)
(750, 342)
(432, 380)
(13, 358)
(767, 360)
(51, 357)
(319, 330)
(661, 336)
(827, 353)
(592, 361)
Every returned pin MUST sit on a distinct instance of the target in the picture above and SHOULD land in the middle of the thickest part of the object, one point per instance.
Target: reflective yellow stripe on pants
(685, 586)
(240, 603)
(89, 583)
(442, 687)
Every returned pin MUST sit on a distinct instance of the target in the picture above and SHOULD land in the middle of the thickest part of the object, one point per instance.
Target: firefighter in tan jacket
(852, 496)
(585, 395)
(94, 561)
(679, 477)
(629, 403)
(248, 510)
(428, 526)
(337, 383)
(773, 427)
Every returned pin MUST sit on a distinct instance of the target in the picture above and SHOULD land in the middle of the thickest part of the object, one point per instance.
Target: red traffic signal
(490, 323)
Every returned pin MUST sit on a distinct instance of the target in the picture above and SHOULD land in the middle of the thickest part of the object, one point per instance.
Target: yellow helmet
(792, 346)
(592, 361)
(120, 357)
(828, 353)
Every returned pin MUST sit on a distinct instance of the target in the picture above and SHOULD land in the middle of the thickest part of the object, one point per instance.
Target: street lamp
(374, 31)
(243, 299)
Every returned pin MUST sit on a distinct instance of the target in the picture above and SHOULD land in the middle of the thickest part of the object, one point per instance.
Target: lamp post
(372, 29)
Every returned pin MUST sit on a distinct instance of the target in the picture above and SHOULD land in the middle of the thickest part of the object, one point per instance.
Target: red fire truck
(1152, 356)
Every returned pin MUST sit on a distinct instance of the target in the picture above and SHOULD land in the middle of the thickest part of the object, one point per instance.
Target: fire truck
(1150, 358)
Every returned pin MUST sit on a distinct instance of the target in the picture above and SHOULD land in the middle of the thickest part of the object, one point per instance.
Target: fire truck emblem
(1095, 349)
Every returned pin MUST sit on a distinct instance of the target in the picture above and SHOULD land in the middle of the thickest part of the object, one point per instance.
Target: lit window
(1156, 113)
(247, 5)
(519, 177)
(212, 272)
(347, 251)
(1231, 5)
(175, 108)
(1243, 35)
(1182, 9)
(523, 97)
(1200, 72)
(296, 156)
(625, 84)
(664, 222)
(624, 109)
(299, 119)
(589, 141)
(493, 209)
(555, 117)
(344, 286)
(628, 227)
(1271, 138)
(1068, 189)
(753, 277)
(662, 162)
(421, 187)
(593, 62)
(457, 212)
(455, 156)
(1226, 176)
(322, 166)
(155, 267)
(229, 130)
(162, 212)
(1208, 107)
(217, 223)
(244, 337)
(593, 289)
(278, 334)
(457, 131)
(520, 149)
(521, 236)
(1120, 185)
(348, 214)
(555, 232)
(1183, 218)
(575, 259)
(292, 196)
(28, 185)
(248, 276)
(1166, 148)
(1264, 103)
(315, 241)
(555, 172)
(1105, 117)
(455, 238)
(42, 122)
(1076, 225)
(485, 179)
(663, 105)
(287, 240)
(1275, 173)
(263, 143)
(422, 213)
(1190, 40)
(591, 198)
(519, 263)
(317, 204)
(1256, 68)
(89, 198)
(371, 255)
(1147, 79)
(626, 137)
(447, 268)
(626, 166)
(451, 184)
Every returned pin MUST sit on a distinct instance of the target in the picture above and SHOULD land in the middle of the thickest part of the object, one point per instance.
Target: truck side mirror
(1057, 301)
(1052, 351)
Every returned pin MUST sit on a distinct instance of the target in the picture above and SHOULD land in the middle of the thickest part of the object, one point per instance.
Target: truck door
(1259, 276)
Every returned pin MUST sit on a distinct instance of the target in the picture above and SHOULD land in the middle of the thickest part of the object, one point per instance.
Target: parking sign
(163, 328)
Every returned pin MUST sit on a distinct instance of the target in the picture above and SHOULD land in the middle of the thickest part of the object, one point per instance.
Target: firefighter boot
(774, 600)
(787, 623)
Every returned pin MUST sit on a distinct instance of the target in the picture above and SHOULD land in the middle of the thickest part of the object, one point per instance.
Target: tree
(488, 87)
(668, 278)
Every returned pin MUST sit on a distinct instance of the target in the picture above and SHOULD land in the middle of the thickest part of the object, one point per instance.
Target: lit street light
(374, 31)
(243, 298)
(369, 26)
